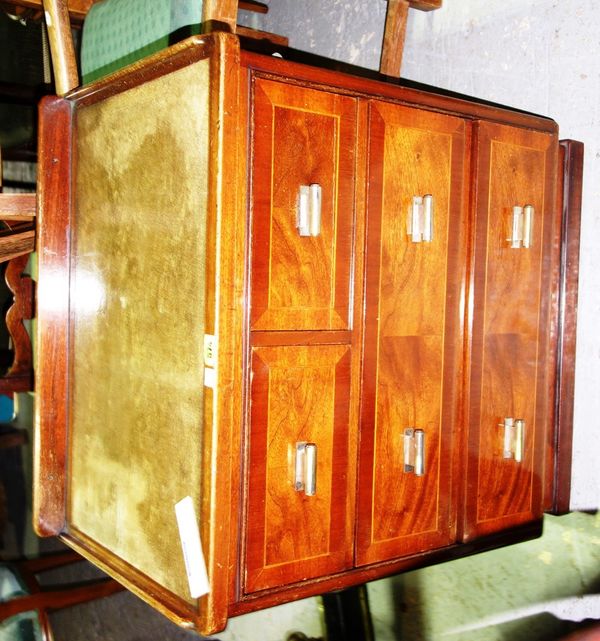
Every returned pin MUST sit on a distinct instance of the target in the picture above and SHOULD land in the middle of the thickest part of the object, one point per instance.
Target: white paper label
(192, 547)
(210, 377)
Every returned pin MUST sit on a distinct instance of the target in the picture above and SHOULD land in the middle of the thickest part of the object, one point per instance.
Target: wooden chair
(17, 241)
(26, 600)
(24, 604)
(217, 14)
(395, 32)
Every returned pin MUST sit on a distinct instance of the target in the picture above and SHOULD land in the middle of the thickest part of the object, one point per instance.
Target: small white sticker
(192, 548)
(210, 350)
(48, 19)
(210, 377)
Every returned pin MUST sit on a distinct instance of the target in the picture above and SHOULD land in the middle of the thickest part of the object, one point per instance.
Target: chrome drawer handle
(414, 451)
(514, 438)
(521, 227)
(420, 219)
(306, 468)
(308, 214)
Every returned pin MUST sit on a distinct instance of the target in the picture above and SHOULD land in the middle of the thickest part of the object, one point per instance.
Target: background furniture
(25, 604)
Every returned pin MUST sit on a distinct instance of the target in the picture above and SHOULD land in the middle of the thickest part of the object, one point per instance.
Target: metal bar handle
(308, 212)
(414, 451)
(519, 439)
(528, 212)
(514, 438)
(516, 230)
(419, 453)
(508, 425)
(419, 225)
(310, 469)
(409, 437)
(521, 227)
(306, 468)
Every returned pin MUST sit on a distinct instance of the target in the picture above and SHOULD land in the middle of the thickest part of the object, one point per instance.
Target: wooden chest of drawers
(321, 308)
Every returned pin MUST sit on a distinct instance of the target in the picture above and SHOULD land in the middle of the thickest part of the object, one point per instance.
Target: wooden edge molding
(224, 271)
(175, 57)
(170, 606)
(567, 322)
(342, 78)
(358, 575)
(51, 415)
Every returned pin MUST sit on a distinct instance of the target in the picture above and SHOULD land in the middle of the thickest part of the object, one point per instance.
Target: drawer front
(510, 352)
(299, 395)
(412, 333)
(303, 153)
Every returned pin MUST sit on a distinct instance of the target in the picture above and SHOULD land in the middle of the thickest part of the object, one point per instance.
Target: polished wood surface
(570, 203)
(299, 394)
(341, 78)
(301, 283)
(511, 322)
(224, 317)
(413, 331)
(52, 385)
(257, 34)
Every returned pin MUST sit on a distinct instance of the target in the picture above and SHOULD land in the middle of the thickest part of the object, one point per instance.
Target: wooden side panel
(570, 206)
(299, 394)
(413, 331)
(511, 321)
(301, 137)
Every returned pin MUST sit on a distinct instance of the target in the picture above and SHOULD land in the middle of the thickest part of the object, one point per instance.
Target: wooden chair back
(44, 599)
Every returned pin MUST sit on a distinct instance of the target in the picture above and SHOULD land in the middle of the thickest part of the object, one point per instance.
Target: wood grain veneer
(301, 283)
(299, 394)
(511, 321)
(412, 331)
